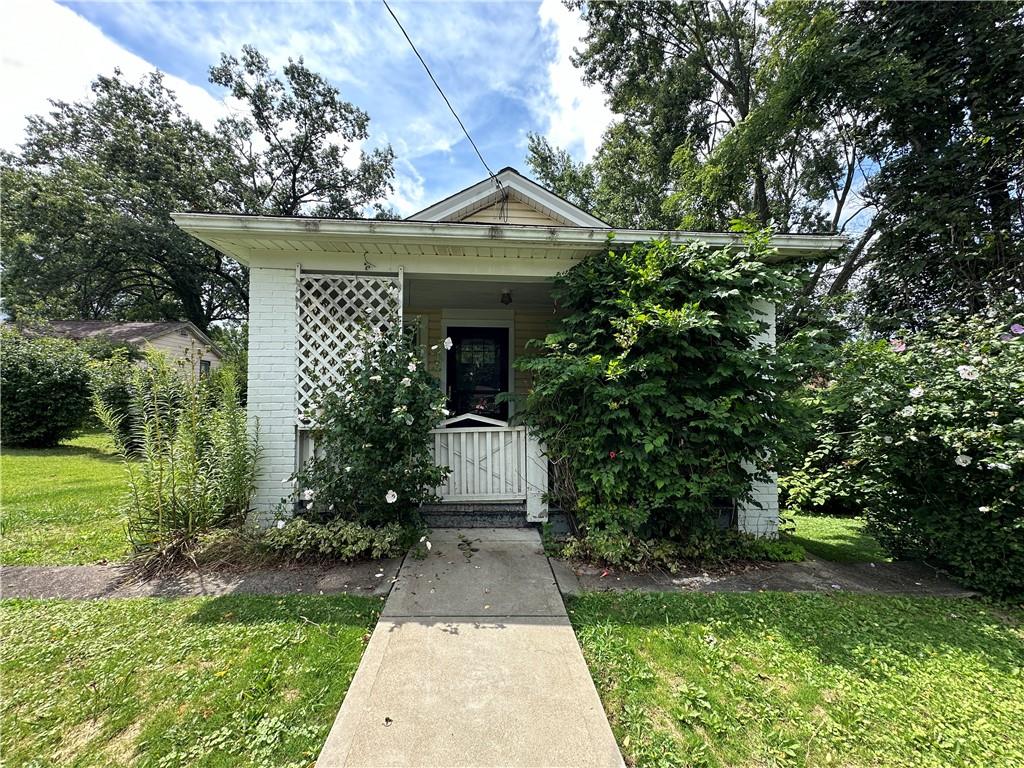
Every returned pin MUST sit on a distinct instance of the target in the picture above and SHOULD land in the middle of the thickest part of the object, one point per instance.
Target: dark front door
(478, 371)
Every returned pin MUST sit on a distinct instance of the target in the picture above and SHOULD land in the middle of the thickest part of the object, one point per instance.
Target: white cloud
(576, 113)
(50, 52)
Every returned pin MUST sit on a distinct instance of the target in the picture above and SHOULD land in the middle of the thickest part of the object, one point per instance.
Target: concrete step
(475, 516)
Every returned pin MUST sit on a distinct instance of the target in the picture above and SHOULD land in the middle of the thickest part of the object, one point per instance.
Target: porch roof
(422, 246)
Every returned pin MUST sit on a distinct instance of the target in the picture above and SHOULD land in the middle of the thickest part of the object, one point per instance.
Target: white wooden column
(760, 516)
(271, 401)
(536, 480)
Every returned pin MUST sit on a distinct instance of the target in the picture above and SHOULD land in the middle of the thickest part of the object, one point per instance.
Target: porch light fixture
(506, 297)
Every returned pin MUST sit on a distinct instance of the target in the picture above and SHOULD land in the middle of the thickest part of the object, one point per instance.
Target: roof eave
(207, 226)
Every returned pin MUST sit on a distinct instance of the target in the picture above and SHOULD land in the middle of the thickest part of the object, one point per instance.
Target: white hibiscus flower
(412, 367)
(391, 497)
(448, 342)
(406, 382)
(962, 460)
(917, 392)
(968, 372)
(908, 411)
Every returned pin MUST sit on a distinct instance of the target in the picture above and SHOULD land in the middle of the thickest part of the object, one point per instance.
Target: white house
(475, 267)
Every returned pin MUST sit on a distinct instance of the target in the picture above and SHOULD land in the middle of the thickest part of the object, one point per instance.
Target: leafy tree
(87, 230)
(308, 132)
(688, 80)
(943, 94)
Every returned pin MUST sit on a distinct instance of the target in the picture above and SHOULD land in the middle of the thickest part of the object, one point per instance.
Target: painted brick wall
(762, 520)
(272, 381)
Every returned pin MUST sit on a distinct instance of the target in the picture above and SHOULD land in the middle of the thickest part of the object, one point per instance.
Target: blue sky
(504, 65)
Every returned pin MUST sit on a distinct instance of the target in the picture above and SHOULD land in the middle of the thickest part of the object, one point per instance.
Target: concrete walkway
(473, 663)
(95, 582)
(907, 579)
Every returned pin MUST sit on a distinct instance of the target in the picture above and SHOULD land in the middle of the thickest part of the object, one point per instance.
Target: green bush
(110, 380)
(654, 391)
(191, 463)
(337, 540)
(924, 436)
(373, 464)
(45, 389)
(711, 548)
(939, 447)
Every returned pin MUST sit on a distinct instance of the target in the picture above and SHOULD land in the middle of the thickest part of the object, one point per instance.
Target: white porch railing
(491, 462)
(494, 463)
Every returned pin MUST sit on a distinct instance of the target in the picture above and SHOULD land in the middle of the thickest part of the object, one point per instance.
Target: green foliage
(88, 232)
(929, 94)
(336, 540)
(87, 228)
(45, 385)
(925, 435)
(110, 381)
(196, 463)
(308, 129)
(233, 342)
(373, 465)
(224, 682)
(712, 547)
(775, 679)
(654, 390)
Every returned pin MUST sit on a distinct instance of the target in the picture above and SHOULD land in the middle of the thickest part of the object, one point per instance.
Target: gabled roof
(516, 187)
(127, 332)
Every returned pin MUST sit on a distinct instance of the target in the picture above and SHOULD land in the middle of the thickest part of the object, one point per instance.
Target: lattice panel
(331, 310)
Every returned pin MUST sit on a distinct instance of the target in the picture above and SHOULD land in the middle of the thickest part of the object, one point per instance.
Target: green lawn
(776, 679)
(59, 505)
(838, 539)
(230, 681)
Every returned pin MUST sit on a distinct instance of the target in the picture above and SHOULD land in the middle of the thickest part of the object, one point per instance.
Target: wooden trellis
(331, 310)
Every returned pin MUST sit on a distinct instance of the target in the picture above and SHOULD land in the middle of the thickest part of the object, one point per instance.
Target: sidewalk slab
(477, 572)
(95, 582)
(438, 686)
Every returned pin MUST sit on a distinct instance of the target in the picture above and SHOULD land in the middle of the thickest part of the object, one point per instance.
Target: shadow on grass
(326, 612)
(844, 548)
(837, 628)
(65, 451)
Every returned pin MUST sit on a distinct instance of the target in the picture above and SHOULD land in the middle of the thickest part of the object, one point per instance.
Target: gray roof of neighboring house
(131, 333)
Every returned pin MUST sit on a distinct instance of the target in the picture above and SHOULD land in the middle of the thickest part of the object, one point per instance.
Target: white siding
(762, 520)
(181, 347)
(516, 212)
(272, 381)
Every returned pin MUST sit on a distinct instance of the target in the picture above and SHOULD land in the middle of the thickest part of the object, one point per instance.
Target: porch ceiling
(439, 247)
(453, 293)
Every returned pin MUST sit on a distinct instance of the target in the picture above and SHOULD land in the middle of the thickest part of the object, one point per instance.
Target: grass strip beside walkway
(805, 680)
(226, 681)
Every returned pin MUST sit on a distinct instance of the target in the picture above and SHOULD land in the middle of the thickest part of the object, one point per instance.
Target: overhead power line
(439, 90)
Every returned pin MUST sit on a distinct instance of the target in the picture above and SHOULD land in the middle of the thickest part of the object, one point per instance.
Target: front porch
(494, 465)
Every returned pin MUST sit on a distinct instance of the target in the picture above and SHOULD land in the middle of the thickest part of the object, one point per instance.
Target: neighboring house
(475, 267)
(179, 340)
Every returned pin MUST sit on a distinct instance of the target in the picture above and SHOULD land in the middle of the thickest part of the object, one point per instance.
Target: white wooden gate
(491, 462)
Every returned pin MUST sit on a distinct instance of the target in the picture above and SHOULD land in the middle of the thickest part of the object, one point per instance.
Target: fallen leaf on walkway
(388, 721)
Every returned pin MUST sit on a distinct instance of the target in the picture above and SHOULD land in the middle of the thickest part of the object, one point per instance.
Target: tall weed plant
(190, 460)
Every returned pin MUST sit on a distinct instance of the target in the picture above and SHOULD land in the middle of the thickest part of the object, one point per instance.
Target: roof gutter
(214, 225)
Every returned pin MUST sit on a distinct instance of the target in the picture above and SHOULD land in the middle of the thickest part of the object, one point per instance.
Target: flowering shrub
(925, 435)
(373, 463)
(654, 391)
